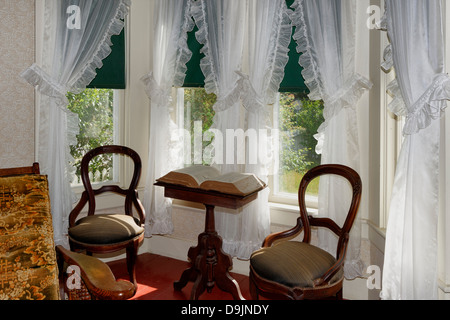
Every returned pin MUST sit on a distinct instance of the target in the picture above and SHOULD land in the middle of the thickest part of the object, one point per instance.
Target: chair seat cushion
(293, 264)
(105, 229)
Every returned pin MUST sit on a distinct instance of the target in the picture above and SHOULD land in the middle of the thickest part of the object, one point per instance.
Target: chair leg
(339, 295)
(132, 251)
(253, 289)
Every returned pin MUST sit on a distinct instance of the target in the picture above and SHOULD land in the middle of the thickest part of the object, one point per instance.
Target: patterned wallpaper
(16, 96)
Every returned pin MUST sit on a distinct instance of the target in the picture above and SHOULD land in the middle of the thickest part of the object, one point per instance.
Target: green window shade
(112, 74)
(293, 80)
(194, 75)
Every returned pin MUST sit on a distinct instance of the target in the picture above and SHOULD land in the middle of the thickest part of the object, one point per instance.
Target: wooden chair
(299, 270)
(105, 233)
(31, 268)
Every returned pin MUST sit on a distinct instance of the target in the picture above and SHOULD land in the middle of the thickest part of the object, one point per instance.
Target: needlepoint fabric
(28, 268)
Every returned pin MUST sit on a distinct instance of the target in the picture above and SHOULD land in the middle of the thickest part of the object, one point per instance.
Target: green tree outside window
(95, 109)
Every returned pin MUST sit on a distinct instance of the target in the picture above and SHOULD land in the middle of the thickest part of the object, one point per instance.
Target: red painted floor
(156, 274)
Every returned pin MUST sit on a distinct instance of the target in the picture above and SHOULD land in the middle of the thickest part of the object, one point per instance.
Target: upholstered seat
(104, 229)
(298, 264)
(288, 269)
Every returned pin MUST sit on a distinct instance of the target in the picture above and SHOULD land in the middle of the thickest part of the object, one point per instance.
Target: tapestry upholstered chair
(31, 268)
(106, 233)
(288, 269)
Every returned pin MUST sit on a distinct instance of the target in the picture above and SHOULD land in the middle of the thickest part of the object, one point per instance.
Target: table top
(211, 198)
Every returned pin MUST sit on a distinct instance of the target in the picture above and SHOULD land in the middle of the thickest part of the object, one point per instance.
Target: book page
(191, 176)
(234, 183)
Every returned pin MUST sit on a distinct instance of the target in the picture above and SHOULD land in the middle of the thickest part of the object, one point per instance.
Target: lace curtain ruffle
(88, 73)
(207, 63)
(278, 56)
(184, 54)
(78, 82)
(39, 79)
(347, 97)
(430, 106)
(159, 95)
(310, 71)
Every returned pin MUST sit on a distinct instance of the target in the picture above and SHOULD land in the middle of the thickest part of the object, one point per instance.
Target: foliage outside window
(95, 108)
(198, 108)
(299, 120)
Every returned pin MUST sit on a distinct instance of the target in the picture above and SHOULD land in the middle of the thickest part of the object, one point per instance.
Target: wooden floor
(156, 274)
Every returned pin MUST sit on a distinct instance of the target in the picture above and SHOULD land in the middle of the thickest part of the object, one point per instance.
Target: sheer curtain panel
(325, 34)
(75, 41)
(268, 37)
(416, 51)
(172, 21)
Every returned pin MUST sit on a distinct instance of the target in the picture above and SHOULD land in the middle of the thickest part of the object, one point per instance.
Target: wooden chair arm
(283, 235)
(97, 276)
(326, 278)
(336, 266)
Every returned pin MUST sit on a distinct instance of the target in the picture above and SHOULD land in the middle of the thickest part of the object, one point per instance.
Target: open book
(209, 179)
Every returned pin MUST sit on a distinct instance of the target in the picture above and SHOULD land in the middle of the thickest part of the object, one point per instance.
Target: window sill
(281, 214)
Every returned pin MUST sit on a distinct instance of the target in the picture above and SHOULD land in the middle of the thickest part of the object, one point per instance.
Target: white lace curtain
(75, 41)
(325, 35)
(416, 51)
(170, 55)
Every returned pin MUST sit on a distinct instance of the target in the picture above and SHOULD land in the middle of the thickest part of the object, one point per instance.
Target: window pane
(299, 119)
(95, 108)
(198, 114)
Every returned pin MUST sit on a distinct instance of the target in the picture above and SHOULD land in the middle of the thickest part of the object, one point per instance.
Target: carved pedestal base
(209, 264)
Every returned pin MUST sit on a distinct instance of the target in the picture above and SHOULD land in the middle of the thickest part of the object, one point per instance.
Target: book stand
(209, 264)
